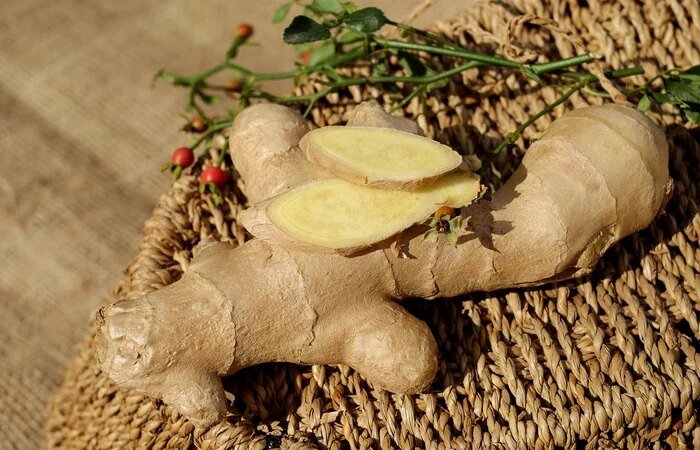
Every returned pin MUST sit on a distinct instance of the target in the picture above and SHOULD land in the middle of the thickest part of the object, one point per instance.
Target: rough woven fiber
(606, 361)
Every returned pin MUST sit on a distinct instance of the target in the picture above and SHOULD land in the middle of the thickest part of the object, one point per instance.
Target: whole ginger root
(597, 175)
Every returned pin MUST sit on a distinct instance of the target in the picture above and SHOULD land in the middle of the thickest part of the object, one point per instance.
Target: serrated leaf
(327, 6)
(366, 20)
(321, 53)
(684, 90)
(303, 29)
(644, 104)
(693, 116)
(451, 237)
(281, 12)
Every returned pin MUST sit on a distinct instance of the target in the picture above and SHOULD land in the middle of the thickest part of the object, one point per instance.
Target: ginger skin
(579, 190)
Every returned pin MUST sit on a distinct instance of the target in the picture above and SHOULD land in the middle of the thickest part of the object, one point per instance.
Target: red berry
(199, 125)
(304, 58)
(183, 157)
(214, 175)
(244, 31)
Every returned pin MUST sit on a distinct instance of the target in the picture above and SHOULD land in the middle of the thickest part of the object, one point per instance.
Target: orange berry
(199, 125)
(244, 31)
(445, 210)
(233, 85)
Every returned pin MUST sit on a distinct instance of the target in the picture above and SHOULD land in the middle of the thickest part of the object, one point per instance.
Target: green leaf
(451, 237)
(413, 66)
(164, 74)
(439, 84)
(644, 104)
(303, 29)
(693, 116)
(327, 6)
(533, 76)
(351, 36)
(691, 74)
(366, 20)
(431, 235)
(282, 12)
(322, 53)
(177, 173)
(349, 7)
(378, 69)
(660, 97)
(684, 90)
(208, 99)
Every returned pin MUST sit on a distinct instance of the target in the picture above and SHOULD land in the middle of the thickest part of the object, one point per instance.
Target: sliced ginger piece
(379, 157)
(336, 214)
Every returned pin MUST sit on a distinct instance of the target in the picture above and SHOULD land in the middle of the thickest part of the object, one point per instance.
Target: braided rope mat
(607, 361)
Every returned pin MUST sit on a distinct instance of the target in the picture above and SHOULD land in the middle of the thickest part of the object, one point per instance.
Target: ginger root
(336, 214)
(597, 175)
(379, 157)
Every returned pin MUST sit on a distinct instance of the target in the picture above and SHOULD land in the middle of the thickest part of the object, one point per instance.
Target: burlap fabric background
(82, 135)
(610, 360)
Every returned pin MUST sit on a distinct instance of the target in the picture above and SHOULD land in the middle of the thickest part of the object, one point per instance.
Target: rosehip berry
(304, 58)
(445, 210)
(233, 85)
(183, 157)
(214, 175)
(244, 31)
(199, 125)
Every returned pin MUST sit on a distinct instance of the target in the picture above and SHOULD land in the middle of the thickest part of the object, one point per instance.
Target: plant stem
(456, 52)
(210, 132)
(408, 98)
(562, 63)
(423, 33)
(514, 135)
(397, 79)
(614, 74)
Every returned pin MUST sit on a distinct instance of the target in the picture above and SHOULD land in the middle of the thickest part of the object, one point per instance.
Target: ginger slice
(379, 157)
(336, 214)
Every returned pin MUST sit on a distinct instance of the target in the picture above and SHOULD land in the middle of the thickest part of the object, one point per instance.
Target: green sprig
(342, 35)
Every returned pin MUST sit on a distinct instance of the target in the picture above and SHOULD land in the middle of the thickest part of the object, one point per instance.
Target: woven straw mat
(608, 361)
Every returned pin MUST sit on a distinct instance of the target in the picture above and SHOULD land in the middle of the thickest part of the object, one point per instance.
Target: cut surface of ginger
(379, 157)
(337, 214)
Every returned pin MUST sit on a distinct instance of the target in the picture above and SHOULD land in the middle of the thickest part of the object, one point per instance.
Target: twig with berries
(332, 34)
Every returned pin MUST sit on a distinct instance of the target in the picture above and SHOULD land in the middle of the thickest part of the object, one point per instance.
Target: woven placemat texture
(609, 361)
